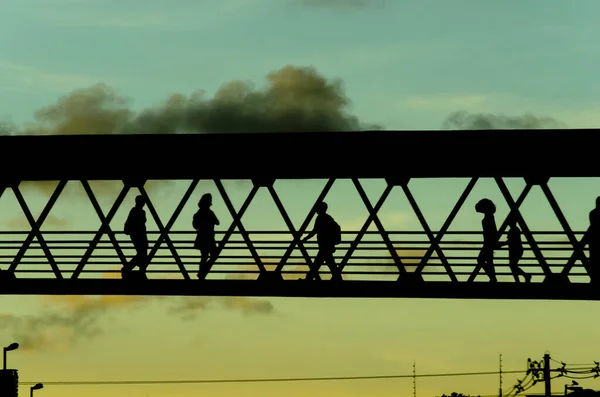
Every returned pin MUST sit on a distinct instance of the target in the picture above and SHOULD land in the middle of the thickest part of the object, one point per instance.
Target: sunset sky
(403, 65)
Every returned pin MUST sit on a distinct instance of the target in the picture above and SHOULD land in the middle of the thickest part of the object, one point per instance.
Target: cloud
(463, 120)
(69, 320)
(20, 223)
(294, 99)
(189, 307)
(7, 128)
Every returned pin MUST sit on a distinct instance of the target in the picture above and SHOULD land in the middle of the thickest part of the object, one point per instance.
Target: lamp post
(11, 347)
(35, 387)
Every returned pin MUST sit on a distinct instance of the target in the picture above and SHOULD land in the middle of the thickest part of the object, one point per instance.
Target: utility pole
(547, 388)
(414, 379)
(500, 388)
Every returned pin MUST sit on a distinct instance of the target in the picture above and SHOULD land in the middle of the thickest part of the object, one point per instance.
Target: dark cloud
(294, 99)
(7, 128)
(463, 120)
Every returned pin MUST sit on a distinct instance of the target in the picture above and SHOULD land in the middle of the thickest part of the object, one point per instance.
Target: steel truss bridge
(42, 262)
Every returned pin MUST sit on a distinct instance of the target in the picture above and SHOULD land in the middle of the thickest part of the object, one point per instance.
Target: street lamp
(35, 387)
(11, 347)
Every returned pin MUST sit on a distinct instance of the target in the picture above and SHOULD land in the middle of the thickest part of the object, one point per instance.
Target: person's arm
(216, 220)
(312, 233)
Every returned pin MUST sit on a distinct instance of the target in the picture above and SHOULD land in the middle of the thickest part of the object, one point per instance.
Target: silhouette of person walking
(594, 239)
(328, 236)
(515, 251)
(490, 237)
(204, 222)
(135, 228)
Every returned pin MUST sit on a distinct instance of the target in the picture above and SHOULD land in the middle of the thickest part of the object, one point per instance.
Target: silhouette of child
(515, 251)
(490, 237)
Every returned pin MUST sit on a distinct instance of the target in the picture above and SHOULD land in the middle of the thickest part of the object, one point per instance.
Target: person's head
(485, 206)
(322, 208)
(598, 202)
(512, 222)
(205, 201)
(139, 201)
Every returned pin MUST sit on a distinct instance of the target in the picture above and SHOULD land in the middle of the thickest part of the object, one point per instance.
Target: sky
(91, 66)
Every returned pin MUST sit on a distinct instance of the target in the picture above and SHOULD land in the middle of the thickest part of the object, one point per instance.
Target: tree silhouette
(455, 394)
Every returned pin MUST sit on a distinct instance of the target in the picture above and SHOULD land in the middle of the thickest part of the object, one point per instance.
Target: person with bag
(329, 234)
(135, 228)
(204, 223)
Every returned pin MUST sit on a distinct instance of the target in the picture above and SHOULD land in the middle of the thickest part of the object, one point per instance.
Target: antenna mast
(500, 388)
(415, 379)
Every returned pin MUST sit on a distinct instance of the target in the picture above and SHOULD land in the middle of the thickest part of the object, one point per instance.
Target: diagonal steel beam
(442, 232)
(515, 210)
(104, 225)
(163, 233)
(382, 231)
(100, 213)
(288, 221)
(363, 230)
(571, 262)
(35, 228)
(434, 244)
(502, 229)
(173, 219)
(577, 250)
(298, 238)
(237, 221)
(240, 213)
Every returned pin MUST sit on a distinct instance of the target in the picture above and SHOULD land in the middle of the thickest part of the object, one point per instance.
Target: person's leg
(142, 253)
(313, 272)
(333, 268)
(488, 259)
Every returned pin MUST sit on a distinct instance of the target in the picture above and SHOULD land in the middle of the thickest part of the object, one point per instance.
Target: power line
(262, 380)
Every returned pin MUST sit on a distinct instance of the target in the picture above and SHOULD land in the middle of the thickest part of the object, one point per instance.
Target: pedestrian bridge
(42, 253)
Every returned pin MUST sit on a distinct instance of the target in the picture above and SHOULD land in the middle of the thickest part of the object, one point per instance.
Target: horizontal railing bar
(268, 257)
(283, 242)
(249, 263)
(440, 273)
(276, 248)
(91, 233)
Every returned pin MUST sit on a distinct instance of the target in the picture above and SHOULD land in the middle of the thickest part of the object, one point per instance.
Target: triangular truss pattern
(35, 228)
(577, 245)
(237, 223)
(303, 228)
(446, 225)
(104, 226)
(373, 206)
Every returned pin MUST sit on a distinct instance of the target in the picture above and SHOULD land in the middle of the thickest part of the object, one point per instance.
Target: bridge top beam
(366, 154)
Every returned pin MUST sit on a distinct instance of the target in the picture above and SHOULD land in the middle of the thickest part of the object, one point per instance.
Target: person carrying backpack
(329, 234)
(135, 228)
